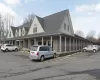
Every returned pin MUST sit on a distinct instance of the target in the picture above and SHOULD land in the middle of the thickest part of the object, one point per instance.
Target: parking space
(17, 66)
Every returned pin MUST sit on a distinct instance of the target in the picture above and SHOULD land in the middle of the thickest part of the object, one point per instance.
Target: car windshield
(34, 48)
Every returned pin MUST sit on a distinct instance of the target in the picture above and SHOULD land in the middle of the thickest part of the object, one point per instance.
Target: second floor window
(68, 28)
(23, 32)
(64, 26)
(34, 29)
(10, 34)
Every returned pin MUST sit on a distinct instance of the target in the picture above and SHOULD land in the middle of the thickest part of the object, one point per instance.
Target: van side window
(44, 49)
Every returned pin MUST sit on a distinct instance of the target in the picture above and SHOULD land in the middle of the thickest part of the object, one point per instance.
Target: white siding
(16, 33)
(39, 27)
(12, 35)
(19, 32)
(23, 32)
(67, 21)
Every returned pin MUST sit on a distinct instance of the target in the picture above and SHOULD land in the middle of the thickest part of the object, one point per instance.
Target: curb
(60, 54)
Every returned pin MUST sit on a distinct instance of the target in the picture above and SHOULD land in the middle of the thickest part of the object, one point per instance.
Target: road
(80, 66)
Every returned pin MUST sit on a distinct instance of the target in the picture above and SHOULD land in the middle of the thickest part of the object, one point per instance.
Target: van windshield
(34, 48)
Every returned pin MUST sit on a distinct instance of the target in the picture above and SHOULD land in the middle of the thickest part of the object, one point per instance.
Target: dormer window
(64, 26)
(10, 34)
(35, 28)
(23, 32)
(68, 28)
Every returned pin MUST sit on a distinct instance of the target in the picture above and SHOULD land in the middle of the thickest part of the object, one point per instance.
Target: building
(55, 30)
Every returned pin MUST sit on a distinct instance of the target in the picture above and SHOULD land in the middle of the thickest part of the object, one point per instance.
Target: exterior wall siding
(39, 27)
(67, 22)
(10, 34)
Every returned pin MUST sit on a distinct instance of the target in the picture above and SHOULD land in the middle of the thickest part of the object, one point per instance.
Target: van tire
(16, 49)
(6, 50)
(54, 56)
(94, 50)
(42, 58)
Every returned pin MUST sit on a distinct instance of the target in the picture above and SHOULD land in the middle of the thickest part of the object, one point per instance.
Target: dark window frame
(34, 29)
(68, 28)
(10, 34)
(64, 26)
(44, 49)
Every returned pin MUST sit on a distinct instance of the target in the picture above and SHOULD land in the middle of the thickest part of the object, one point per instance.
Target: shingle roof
(25, 25)
(53, 22)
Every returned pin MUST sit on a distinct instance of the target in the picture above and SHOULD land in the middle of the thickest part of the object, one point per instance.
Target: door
(44, 51)
(51, 53)
(9, 47)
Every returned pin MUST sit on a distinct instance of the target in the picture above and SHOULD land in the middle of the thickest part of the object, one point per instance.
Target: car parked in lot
(8, 47)
(41, 52)
(93, 48)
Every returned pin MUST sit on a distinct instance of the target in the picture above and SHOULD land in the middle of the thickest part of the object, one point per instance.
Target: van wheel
(42, 58)
(54, 56)
(7, 50)
(94, 51)
(16, 49)
(84, 50)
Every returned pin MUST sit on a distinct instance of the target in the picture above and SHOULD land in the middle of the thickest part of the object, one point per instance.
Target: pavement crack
(25, 72)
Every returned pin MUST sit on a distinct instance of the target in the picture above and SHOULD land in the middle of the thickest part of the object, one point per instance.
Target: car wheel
(42, 58)
(16, 49)
(54, 56)
(94, 51)
(6, 50)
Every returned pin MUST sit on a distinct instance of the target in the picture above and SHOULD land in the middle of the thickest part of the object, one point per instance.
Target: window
(34, 29)
(23, 32)
(35, 25)
(10, 34)
(9, 45)
(64, 26)
(34, 48)
(44, 49)
(68, 28)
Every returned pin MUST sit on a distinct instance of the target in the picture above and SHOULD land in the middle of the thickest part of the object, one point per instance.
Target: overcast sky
(85, 14)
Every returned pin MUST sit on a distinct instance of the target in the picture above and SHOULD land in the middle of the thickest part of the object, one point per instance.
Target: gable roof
(53, 22)
(13, 29)
(41, 21)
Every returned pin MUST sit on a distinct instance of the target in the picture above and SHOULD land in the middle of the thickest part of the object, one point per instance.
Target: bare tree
(8, 21)
(29, 18)
(5, 22)
(79, 33)
(98, 38)
(91, 36)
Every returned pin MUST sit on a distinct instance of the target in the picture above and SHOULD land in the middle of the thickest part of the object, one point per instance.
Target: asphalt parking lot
(79, 66)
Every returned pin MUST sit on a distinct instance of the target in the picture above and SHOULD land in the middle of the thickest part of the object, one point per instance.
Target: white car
(8, 47)
(93, 48)
(41, 52)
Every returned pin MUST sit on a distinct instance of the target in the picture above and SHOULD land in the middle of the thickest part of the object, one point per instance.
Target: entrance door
(49, 43)
(40, 43)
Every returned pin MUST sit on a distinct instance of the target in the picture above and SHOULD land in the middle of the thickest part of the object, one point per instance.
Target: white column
(42, 41)
(76, 44)
(65, 44)
(60, 43)
(80, 44)
(19, 43)
(29, 43)
(51, 41)
(70, 44)
(73, 45)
